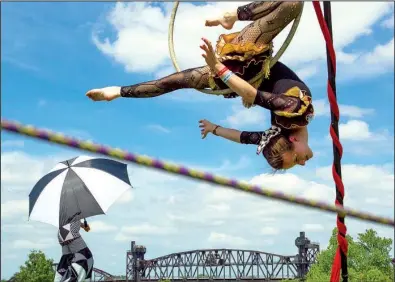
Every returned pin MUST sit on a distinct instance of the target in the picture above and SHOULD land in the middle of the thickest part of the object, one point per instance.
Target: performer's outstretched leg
(269, 19)
(196, 78)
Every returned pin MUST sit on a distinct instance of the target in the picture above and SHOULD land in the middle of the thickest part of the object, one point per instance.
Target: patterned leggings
(269, 19)
(75, 267)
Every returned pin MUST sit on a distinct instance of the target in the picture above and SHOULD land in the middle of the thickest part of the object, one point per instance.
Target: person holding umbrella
(73, 190)
(76, 263)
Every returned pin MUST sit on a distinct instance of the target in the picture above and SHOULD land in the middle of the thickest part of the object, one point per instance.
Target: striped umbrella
(77, 188)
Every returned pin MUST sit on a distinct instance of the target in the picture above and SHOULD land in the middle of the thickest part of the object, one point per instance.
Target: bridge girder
(221, 264)
(218, 264)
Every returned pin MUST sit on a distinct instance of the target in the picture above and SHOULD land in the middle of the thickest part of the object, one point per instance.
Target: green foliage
(368, 259)
(37, 268)
(165, 280)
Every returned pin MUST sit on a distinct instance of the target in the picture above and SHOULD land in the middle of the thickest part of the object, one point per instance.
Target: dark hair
(274, 150)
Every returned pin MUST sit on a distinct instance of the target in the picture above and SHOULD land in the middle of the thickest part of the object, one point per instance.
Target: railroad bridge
(221, 264)
(215, 264)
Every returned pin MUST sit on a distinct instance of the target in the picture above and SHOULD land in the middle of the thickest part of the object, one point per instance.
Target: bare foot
(227, 21)
(104, 94)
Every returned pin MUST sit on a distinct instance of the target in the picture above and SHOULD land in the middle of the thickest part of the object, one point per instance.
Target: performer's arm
(237, 84)
(227, 133)
(85, 226)
(270, 101)
(244, 137)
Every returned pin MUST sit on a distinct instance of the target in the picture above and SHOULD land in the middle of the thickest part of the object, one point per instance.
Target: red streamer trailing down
(342, 230)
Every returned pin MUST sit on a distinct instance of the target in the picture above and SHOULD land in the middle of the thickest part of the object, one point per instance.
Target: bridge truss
(221, 264)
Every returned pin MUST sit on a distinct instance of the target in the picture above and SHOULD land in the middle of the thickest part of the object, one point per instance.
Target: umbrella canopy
(77, 188)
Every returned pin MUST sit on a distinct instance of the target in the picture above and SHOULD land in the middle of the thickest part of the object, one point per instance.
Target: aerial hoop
(273, 61)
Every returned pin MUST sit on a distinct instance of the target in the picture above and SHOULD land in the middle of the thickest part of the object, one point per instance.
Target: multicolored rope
(60, 139)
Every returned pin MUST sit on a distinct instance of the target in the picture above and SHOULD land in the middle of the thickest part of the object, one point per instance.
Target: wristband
(221, 72)
(227, 76)
(215, 129)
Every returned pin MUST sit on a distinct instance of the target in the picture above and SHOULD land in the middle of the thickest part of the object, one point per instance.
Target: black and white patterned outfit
(76, 263)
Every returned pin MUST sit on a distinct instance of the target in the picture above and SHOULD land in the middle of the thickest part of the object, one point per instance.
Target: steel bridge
(221, 264)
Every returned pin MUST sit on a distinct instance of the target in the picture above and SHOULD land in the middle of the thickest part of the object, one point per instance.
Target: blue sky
(52, 53)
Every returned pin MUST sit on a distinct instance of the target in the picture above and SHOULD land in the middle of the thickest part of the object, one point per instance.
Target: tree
(368, 259)
(37, 268)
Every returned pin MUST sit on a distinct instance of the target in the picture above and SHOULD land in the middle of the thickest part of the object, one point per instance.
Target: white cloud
(149, 25)
(358, 130)
(145, 23)
(37, 245)
(99, 226)
(269, 231)
(9, 256)
(313, 227)
(388, 202)
(14, 208)
(242, 116)
(378, 61)
(16, 227)
(144, 229)
(307, 71)
(158, 128)
(354, 130)
(369, 179)
(226, 165)
(18, 168)
(322, 108)
(291, 183)
(358, 139)
(226, 240)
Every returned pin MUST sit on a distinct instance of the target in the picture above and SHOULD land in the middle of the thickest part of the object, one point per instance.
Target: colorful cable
(60, 139)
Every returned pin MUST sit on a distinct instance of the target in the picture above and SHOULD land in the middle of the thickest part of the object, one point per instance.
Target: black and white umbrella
(76, 189)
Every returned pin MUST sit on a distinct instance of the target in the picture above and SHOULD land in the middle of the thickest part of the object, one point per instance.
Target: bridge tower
(134, 261)
(307, 255)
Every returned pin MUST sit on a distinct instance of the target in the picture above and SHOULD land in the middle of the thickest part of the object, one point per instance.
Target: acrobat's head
(283, 149)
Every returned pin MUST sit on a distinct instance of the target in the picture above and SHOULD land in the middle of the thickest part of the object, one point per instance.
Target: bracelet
(215, 130)
(227, 76)
(221, 72)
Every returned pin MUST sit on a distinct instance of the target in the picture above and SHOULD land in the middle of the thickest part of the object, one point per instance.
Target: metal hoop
(274, 60)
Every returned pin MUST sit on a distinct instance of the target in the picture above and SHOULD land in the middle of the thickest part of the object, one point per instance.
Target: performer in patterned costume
(245, 54)
(76, 263)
